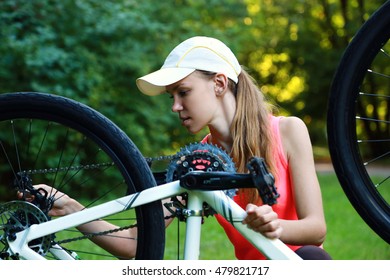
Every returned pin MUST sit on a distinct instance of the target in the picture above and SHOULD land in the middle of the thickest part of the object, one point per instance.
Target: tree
(298, 45)
(92, 51)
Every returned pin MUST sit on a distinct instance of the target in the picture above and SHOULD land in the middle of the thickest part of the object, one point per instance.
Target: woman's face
(194, 100)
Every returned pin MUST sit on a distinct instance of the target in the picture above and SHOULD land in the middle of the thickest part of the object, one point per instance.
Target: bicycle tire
(51, 119)
(345, 125)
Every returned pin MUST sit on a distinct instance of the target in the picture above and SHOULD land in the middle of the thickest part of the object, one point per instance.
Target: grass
(214, 243)
(348, 238)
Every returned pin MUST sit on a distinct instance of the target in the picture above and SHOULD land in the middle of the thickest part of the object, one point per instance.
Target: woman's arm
(122, 244)
(310, 228)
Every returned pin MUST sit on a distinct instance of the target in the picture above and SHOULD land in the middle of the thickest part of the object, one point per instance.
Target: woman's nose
(176, 106)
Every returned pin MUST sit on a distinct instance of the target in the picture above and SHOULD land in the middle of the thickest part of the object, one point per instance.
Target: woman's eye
(182, 92)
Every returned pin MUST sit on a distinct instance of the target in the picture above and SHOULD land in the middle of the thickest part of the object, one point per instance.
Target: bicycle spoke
(377, 73)
(382, 51)
(373, 140)
(60, 157)
(382, 182)
(377, 158)
(371, 119)
(374, 95)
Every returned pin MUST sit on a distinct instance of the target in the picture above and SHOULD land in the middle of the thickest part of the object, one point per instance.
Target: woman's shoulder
(291, 124)
(294, 134)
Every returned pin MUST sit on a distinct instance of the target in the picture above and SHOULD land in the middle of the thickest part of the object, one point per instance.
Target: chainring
(200, 157)
(197, 157)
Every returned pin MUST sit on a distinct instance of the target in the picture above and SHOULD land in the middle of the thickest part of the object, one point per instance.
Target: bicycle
(358, 121)
(84, 149)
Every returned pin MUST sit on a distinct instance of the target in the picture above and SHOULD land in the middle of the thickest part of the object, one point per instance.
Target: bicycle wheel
(62, 143)
(358, 122)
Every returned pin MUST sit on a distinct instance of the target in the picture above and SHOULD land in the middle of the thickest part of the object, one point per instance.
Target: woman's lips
(185, 120)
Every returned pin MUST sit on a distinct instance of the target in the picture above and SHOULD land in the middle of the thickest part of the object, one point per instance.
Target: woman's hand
(63, 204)
(264, 220)
(126, 243)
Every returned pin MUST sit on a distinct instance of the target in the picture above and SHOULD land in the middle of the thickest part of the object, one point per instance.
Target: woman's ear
(221, 84)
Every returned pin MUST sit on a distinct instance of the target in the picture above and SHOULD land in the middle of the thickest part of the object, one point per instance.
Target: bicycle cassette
(199, 157)
(16, 216)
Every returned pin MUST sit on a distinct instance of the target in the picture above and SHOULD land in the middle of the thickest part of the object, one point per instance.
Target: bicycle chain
(177, 161)
(200, 148)
(93, 234)
(66, 169)
(101, 233)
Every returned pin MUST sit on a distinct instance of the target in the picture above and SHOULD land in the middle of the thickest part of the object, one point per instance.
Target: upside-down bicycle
(91, 159)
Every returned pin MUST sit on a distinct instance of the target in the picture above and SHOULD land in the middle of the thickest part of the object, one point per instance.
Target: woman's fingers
(264, 220)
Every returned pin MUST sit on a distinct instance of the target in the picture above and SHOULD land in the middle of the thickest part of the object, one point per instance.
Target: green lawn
(348, 238)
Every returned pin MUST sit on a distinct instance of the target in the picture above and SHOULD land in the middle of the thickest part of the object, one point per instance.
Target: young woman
(210, 88)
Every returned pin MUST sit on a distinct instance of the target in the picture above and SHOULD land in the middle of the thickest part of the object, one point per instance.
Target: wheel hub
(16, 216)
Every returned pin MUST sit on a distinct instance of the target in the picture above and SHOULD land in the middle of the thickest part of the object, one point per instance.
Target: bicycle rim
(69, 146)
(359, 123)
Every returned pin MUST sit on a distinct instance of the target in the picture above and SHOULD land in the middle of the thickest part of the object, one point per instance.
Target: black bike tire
(138, 176)
(348, 165)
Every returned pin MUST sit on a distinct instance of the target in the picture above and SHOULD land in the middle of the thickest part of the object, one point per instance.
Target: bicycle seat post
(193, 226)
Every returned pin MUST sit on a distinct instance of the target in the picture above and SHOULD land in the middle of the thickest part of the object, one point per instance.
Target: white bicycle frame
(273, 249)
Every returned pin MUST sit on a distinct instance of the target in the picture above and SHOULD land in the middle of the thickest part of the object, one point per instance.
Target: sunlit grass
(349, 237)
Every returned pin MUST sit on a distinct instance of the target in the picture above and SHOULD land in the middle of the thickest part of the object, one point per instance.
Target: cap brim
(155, 82)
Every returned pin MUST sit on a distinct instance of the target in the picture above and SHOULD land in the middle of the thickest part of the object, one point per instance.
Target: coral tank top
(285, 206)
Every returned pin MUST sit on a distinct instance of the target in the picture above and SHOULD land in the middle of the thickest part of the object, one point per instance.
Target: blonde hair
(250, 129)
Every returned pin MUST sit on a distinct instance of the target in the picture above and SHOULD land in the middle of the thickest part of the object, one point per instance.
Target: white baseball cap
(196, 53)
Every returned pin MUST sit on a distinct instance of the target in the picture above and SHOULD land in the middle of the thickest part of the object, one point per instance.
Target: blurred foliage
(92, 51)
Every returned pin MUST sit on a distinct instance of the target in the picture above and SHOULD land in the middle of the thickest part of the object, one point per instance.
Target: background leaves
(92, 51)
